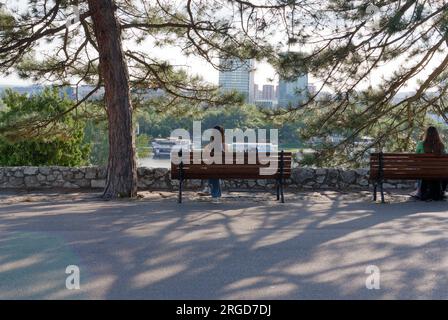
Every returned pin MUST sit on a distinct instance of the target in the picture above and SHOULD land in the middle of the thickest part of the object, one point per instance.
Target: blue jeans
(419, 188)
(215, 188)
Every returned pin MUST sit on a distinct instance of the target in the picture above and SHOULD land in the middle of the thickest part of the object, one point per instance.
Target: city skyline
(239, 76)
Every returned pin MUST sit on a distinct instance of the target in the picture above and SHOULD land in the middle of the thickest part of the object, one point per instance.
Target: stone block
(348, 176)
(303, 174)
(15, 182)
(98, 184)
(91, 173)
(45, 171)
(31, 182)
(83, 183)
(30, 171)
(19, 174)
(69, 185)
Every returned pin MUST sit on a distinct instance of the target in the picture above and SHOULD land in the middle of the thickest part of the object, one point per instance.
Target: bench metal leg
(282, 168)
(181, 177)
(180, 191)
(281, 191)
(277, 185)
(381, 175)
(382, 193)
(375, 190)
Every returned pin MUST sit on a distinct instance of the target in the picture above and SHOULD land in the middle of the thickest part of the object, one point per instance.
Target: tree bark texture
(122, 165)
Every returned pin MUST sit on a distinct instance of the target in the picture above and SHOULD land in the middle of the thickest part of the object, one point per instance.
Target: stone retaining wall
(155, 179)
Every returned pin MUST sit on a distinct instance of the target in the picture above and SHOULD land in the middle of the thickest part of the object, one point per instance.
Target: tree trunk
(122, 167)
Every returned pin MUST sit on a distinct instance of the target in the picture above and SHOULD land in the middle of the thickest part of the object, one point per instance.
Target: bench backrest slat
(409, 166)
(235, 169)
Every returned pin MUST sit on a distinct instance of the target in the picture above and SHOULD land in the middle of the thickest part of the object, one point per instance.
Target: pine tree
(365, 54)
(108, 44)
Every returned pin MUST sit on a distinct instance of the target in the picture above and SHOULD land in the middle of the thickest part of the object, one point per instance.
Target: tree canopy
(342, 44)
(35, 42)
(365, 53)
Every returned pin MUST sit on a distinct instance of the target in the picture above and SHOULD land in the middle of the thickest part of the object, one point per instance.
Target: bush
(25, 141)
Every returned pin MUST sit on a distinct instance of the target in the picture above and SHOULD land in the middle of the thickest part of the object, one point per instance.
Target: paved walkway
(315, 246)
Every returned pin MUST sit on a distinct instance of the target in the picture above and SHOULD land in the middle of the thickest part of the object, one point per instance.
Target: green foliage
(142, 145)
(288, 67)
(46, 115)
(40, 153)
(308, 160)
(96, 135)
(396, 131)
(60, 143)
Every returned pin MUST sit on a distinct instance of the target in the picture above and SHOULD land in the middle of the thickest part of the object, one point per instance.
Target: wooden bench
(405, 166)
(234, 168)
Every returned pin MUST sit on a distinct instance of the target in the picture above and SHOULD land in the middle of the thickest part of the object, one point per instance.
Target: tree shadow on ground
(243, 250)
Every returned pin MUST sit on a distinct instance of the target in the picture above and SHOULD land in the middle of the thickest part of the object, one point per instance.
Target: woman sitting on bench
(431, 189)
(214, 185)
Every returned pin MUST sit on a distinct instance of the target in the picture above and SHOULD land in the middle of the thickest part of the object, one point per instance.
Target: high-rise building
(238, 75)
(268, 92)
(257, 94)
(292, 93)
(266, 104)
